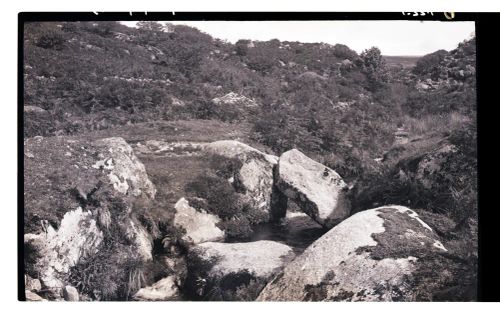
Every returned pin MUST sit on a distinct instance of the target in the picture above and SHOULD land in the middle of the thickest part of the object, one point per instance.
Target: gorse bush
(49, 36)
(220, 195)
(224, 199)
(374, 66)
(428, 64)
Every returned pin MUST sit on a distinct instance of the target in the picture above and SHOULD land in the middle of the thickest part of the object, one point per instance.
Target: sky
(393, 38)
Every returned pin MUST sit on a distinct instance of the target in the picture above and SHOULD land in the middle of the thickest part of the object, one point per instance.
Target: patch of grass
(197, 130)
(54, 170)
(170, 175)
(435, 123)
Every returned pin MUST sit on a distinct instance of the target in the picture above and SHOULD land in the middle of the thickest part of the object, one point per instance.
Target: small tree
(343, 52)
(150, 26)
(429, 64)
(242, 47)
(374, 67)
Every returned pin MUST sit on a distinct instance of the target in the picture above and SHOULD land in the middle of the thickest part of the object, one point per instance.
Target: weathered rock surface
(32, 284)
(31, 296)
(78, 236)
(255, 176)
(226, 267)
(165, 289)
(34, 109)
(318, 190)
(373, 255)
(232, 98)
(126, 173)
(70, 293)
(199, 225)
(76, 193)
(142, 240)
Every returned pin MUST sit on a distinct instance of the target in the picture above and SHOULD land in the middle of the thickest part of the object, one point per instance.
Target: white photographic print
(299, 160)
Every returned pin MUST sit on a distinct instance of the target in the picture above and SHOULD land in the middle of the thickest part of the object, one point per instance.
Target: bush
(428, 65)
(51, 38)
(223, 199)
(373, 65)
(343, 52)
(450, 189)
(237, 228)
(106, 275)
(241, 47)
(41, 124)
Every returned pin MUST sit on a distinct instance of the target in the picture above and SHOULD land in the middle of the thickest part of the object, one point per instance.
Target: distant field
(405, 61)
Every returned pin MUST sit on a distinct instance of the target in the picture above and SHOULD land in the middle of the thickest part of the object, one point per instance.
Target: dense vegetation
(336, 106)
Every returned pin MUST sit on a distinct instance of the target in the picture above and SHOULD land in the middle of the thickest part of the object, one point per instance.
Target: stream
(296, 230)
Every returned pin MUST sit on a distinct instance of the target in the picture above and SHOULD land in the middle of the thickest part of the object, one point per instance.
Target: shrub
(102, 28)
(108, 274)
(429, 64)
(31, 256)
(51, 38)
(38, 124)
(374, 67)
(343, 52)
(235, 228)
(223, 199)
(241, 47)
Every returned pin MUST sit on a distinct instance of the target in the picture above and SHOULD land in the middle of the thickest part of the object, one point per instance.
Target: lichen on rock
(357, 260)
(125, 172)
(318, 190)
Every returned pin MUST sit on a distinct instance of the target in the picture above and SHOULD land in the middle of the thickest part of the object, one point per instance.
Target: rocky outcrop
(32, 284)
(199, 225)
(142, 241)
(224, 268)
(70, 293)
(430, 163)
(79, 195)
(34, 109)
(125, 172)
(78, 236)
(318, 190)
(373, 255)
(165, 289)
(255, 176)
(232, 98)
(31, 296)
(430, 169)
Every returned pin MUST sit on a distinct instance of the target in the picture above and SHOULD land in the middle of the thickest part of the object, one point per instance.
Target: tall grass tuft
(442, 123)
